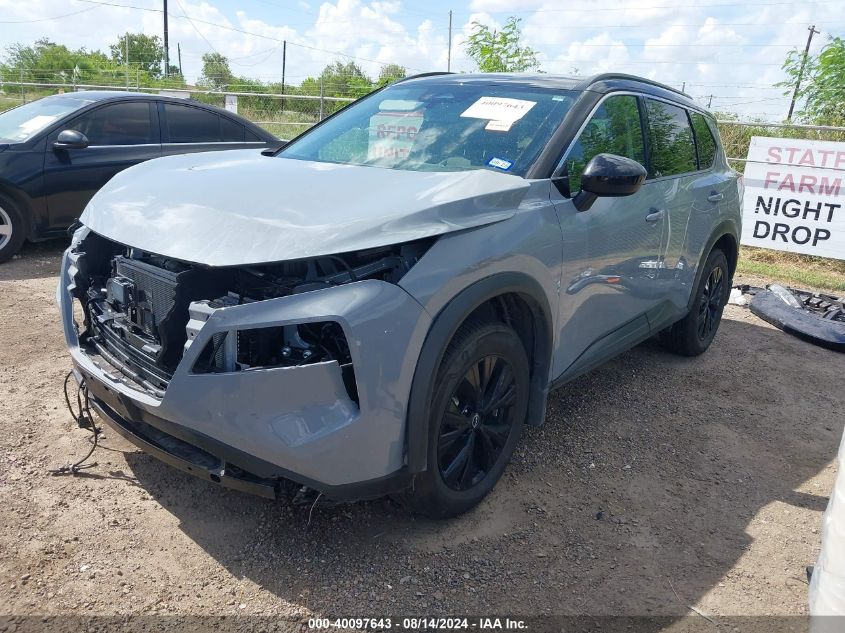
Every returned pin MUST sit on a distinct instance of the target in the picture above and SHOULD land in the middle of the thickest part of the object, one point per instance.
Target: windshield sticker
(500, 163)
(498, 126)
(392, 134)
(499, 109)
(401, 105)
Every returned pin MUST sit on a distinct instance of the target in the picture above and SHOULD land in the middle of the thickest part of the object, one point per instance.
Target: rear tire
(693, 334)
(479, 406)
(12, 233)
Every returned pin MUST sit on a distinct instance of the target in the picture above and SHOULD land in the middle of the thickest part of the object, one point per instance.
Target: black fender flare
(440, 334)
(724, 228)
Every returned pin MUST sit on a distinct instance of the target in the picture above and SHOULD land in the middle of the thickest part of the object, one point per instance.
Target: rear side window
(116, 124)
(704, 140)
(231, 130)
(191, 125)
(614, 128)
(671, 146)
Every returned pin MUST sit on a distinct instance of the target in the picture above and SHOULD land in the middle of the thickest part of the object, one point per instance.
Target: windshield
(22, 123)
(440, 127)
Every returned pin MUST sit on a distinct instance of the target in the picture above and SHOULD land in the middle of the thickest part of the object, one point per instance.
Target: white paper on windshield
(392, 134)
(36, 123)
(498, 126)
(501, 109)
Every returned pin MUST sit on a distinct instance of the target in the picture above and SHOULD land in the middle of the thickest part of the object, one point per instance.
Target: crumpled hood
(239, 207)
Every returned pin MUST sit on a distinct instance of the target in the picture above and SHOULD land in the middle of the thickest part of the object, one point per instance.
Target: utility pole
(166, 47)
(813, 31)
(684, 87)
(709, 102)
(179, 52)
(284, 61)
(126, 57)
(449, 52)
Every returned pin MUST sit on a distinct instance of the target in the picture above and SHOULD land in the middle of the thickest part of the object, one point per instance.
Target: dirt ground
(657, 483)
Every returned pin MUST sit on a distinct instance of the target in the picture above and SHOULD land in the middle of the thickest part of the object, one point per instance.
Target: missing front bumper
(184, 456)
(204, 457)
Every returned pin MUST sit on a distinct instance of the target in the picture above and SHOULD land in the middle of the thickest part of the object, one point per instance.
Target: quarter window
(231, 131)
(191, 125)
(116, 124)
(670, 138)
(704, 141)
(614, 128)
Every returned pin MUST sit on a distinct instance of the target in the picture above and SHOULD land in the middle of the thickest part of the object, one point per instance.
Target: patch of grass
(793, 269)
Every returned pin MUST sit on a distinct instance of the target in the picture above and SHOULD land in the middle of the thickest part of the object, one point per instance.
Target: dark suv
(445, 251)
(57, 151)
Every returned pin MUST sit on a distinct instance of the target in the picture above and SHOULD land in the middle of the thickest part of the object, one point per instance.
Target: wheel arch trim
(726, 228)
(440, 334)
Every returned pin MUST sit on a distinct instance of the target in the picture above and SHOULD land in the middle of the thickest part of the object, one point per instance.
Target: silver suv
(380, 306)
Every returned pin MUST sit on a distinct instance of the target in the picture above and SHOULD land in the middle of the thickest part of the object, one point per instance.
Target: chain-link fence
(287, 115)
(736, 136)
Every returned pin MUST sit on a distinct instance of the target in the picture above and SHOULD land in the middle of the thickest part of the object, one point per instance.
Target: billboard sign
(794, 196)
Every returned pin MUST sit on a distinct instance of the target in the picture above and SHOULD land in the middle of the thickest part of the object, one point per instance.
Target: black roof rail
(433, 73)
(589, 81)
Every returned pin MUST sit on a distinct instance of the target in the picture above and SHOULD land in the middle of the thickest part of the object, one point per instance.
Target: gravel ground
(657, 483)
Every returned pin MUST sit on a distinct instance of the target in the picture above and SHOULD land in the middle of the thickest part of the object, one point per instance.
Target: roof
(95, 96)
(602, 83)
(99, 95)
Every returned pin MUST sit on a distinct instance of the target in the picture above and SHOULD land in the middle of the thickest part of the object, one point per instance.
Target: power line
(55, 17)
(689, 25)
(191, 22)
(243, 32)
(743, 5)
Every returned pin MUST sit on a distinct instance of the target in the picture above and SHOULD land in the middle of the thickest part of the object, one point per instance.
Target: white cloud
(601, 54)
(504, 6)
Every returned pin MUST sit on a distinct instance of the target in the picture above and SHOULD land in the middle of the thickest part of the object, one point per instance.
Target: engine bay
(136, 308)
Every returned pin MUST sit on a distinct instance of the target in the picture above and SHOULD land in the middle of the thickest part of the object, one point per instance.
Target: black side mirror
(608, 175)
(71, 139)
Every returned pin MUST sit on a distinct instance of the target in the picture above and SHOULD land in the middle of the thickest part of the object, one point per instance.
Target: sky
(724, 53)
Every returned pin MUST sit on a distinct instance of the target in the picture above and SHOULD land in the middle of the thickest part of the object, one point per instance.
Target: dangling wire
(84, 418)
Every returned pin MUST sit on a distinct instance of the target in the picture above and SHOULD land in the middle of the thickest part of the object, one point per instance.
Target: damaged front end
(257, 370)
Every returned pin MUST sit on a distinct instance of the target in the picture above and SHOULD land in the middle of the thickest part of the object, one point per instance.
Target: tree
(145, 52)
(500, 51)
(821, 85)
(339, 80)
(46, 61)
(390, 73)
(215, 71)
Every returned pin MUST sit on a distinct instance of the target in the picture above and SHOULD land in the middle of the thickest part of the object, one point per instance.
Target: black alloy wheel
(476, 414)
(710, 304)
(693, 334)
(477, 423)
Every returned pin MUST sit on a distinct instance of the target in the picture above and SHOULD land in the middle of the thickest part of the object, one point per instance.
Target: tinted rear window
(672, 148)
(191, 125)
(704, 141)
(231, 130)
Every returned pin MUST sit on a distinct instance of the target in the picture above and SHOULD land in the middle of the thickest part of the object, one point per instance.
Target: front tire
(12, 232)
(477, 412)
(693, 334)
